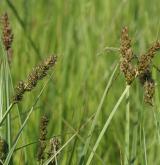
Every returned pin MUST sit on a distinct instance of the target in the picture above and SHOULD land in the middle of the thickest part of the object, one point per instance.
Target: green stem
(6, 113)
(107, 124)
(126, 156)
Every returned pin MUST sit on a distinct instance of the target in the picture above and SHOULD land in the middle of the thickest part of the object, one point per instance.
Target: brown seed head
(145, 59)
(149, 90)
(54, 147)
(125, 48)
(42, 138)
(20, 90)
(37, 74)
(7, 36)
(3, 149)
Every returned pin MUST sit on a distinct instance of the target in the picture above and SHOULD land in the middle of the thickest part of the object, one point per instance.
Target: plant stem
(107, 124)
(126, 155)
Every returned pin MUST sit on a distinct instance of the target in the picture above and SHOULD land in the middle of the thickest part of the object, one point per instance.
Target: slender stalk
(96, 115)
(107, 124)
(126, 156)
(6, 113)
(144, 145)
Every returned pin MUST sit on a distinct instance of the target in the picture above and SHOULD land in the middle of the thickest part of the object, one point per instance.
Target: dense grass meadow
(83, 111)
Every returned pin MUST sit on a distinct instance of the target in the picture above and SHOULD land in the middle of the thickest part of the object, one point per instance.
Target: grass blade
(97, 114)
(107, 124)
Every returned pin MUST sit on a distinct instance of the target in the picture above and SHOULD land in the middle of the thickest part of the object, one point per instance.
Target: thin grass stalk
(134, 146)
(144, 145)
(107, 124)
(1, 99)
(84, 152)
(155, 110)
(8, 116)
(127, 125)
(6, 113)
(133, 155)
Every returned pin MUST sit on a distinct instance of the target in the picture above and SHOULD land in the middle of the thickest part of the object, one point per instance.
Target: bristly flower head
(3, 149)
(145, 59)
(7, 36)
(149, 90)
(37, 74)
(126, 65)
(42, 138)
(125, 48)
(54, 147)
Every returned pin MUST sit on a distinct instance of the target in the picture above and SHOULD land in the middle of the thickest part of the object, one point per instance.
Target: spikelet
(3, 149)
(149, 90)
(37, 74)
(128, 70)
(54, 147)
(42, 138)
(145, 59)
(125, 48)
(20, 90)
(7, 36)
(126, 65)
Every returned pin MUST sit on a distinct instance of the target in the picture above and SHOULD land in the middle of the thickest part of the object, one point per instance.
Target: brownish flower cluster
(145, 59)
(37, 74)
(127, 55)
(54, 147)
(142, 70)
(3, 149)
(7, 36)
(42, 138)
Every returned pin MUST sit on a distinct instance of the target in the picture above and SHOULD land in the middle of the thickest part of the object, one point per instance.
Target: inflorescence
(143, 68)
(7, 36)
(42, 139)
(37, 74)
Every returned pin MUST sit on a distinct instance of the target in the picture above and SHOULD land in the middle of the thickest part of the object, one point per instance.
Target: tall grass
(86, 37)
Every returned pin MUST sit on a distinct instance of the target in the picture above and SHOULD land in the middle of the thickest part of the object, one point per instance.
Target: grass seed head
(3, 149)
(54, 147)
(42, 138)
(145, 59)
(126, 65)
(149, 90)
(125, 48)
(37, 74)
(20, 90)
(7, 36)
(128, 70)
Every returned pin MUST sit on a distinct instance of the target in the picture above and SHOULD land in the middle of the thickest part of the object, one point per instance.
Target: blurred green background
(78, 32)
